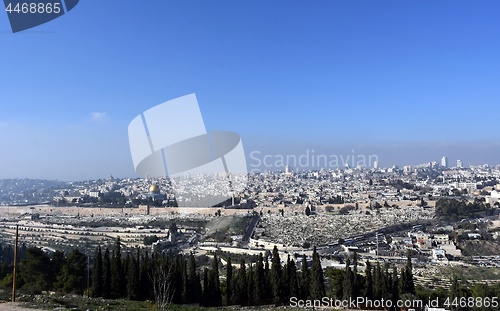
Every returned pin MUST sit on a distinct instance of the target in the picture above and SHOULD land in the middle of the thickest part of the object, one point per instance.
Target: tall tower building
(444, 161)
(459, 164)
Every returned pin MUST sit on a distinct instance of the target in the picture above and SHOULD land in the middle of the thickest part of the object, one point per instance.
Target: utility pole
(88, 276)
(14, 275)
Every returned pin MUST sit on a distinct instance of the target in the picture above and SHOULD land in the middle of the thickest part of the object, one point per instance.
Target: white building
(444, 161)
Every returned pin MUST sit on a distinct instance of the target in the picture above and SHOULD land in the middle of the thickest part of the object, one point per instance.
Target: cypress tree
(259, 281)
(276, 277)
(387, 282)
(250, 285)
(118, 284)
(377, 282)
(304, 279)
(97, 275)
(407, 284)
(368, 281)
(268, 289)
(355, 280)
(229, 281)
(145, 273)
(294, 285)
(241, 288)
(395, 286)
(132, 278)
(194, 281)
(106, 282)
(215, 283)
(317, 278)
(206, 289)
(286, 278)
(348, 280)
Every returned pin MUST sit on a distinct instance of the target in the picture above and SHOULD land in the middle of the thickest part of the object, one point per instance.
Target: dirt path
(9, 306)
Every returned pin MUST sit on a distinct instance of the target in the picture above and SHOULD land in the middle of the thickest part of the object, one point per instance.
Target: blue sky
(410, 81)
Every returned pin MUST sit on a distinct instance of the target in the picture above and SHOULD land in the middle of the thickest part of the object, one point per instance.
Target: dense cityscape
(442, 222)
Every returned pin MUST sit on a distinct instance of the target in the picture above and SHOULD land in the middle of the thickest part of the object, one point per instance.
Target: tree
(215, 293)
(118, 282)
(407, 283)
(162, 283)
(378, 280)
(106, 281)
(292, 279)
(308, 211)
(73, 273)
(317, 278)
(194, 289)
(35, 271)
(259, 280)
(133, 277)
(97, 273)
(229, 280)
(355, 277)
(250, 285)
(276, 276)
(368, 281)
(304, 279)
(395, 285)
(348, 284)
(241, 284)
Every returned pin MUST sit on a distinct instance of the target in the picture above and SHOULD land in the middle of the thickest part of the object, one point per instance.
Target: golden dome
(154, 189)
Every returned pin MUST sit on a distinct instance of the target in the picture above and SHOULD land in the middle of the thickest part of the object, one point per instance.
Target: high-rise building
(459, 164)
(375, 164)
(444, 161)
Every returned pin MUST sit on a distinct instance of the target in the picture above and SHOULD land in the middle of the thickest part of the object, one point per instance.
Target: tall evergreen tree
(378, 280)
(145, 278)
(241, 284)
(395, 286)
(387, 290)
(194, 281)
(97, 274)
(317, 278)
(250, 285)
(229, 281)
(294, 285)
(348, 280)
(356, 286)
(304, 279)
(268, 287)
(215, 283)
(133, 276)
(106, 280)
(206, 288)
(118, 283)
(407, 283)
(259, 280)
(368, 281)
(276, 277)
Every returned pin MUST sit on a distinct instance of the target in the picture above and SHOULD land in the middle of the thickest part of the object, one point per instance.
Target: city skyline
(408, 82)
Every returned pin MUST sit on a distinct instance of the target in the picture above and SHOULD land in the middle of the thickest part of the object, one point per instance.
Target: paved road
(251, 228)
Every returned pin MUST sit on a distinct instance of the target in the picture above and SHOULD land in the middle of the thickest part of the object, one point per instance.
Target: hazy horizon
(409, 82)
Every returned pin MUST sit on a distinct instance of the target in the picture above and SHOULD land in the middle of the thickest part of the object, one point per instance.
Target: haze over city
(409, 82)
